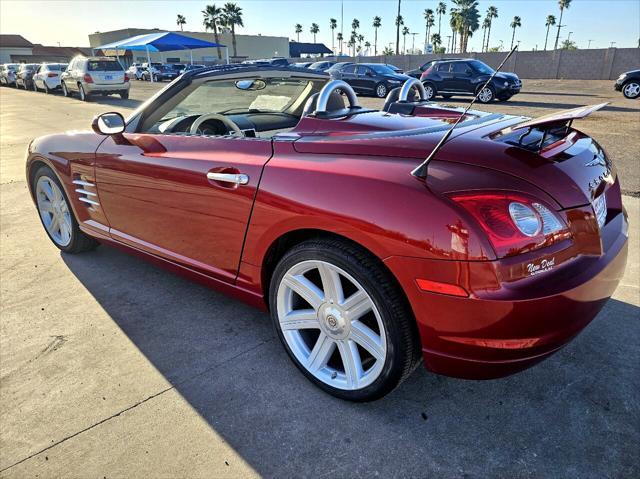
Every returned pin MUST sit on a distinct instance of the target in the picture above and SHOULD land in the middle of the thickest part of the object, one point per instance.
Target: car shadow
(114, 100)
(572, 415)
(553, 93)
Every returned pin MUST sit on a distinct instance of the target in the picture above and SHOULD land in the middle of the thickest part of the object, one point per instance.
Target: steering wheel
(214, 116)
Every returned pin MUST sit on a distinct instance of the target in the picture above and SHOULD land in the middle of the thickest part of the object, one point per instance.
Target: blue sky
(69, 22)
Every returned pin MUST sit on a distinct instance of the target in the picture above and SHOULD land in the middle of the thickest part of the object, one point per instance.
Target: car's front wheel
(430, 91)
(631, 89)
(381, 90)
(486, 94)
(343, 320)
(56, 214)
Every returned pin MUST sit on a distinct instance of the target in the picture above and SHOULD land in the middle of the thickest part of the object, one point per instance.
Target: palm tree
(355, 24)
(367, 45)
(333, 24)
(485, 25)
(437, 41)
(399, 21)
(441, 10)
(360, 39)
(387, 51)
(551, 21)
(492, 12)
(298, 31)
(405, 32)
(352, 41)
(377, 23)
(213, 20)
(340, 38)
(563, 4)
(453, 23)
(232, 15)
(515, 23)
(315, 28)
(180, 21)
(428, 18)
(468, 20)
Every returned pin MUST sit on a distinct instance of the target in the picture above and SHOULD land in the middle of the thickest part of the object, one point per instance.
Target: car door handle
(234, 178)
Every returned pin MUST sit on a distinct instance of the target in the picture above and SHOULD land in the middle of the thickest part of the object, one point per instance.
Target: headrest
(392, 97)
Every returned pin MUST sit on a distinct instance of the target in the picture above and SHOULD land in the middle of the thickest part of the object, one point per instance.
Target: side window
(349, 69)
(459, 68)
(362, 71)
(443, 67)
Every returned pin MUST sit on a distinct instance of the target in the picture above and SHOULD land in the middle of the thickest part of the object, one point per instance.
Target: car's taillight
(126, 77)
(52, 75)
(513, 223)
(87, 78)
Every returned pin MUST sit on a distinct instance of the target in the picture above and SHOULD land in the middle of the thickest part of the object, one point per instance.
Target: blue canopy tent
(161, 42)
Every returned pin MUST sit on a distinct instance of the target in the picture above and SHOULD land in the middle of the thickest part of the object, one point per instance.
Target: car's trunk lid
(107, 77)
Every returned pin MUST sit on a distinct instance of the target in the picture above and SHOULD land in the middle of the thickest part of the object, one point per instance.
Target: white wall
(6, 52)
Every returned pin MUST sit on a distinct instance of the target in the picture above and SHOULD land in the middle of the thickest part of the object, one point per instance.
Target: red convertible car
(267, 184)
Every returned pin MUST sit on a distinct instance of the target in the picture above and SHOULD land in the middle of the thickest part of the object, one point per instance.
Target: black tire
(125, 95)
(403, 352)
(631, 89)
(431, 90)
(80, 242)
(487, 97)
(381, 90)
(46, 88)
(81, 93)
(65, 91)
(34, 87)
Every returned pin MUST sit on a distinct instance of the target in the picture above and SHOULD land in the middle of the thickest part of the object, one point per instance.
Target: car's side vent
(87, 192)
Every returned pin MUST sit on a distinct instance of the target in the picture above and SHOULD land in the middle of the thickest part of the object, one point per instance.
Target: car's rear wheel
(65, 90)
(342, 319)
(33, 85)
(430, 91)
(56, 214)
(124, 95)
(486, 94)
(46, 88)
(631, 89)
(82, 93)
(381, 90)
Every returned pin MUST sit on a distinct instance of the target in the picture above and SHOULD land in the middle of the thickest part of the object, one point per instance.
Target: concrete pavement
(110, 367)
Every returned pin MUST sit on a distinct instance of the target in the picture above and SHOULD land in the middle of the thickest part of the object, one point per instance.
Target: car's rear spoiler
(560, 117)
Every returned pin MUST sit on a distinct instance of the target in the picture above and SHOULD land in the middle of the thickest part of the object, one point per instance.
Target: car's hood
(397, 77)
(507, 76)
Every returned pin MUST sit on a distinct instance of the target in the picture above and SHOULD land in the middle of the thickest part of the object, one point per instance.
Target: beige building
(249, 46)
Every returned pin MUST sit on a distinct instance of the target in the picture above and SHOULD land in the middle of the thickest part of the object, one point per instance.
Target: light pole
(413, 43)
(589, 46)
(569, 37)
(612, 44)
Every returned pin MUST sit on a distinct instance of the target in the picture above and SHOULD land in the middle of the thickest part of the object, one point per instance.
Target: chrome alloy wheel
(381, 90)
(631, 90)
(331, 325)
(429, 92)
(485, 95)
(54, 211)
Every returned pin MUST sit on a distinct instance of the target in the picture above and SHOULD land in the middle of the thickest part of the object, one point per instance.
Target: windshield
(481, 67)
(276, 95)
(382, 69)
(103, 66)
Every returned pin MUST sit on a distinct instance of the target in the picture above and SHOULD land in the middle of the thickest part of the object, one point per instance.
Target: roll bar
(408, 85)
(329, 88)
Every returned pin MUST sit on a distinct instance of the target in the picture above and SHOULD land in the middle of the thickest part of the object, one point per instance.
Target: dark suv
(369, 78)
(466, 77)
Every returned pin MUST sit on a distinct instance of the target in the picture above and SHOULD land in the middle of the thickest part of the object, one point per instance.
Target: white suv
(95, 75)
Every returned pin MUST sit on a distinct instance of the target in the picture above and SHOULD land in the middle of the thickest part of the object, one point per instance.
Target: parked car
(89, 76)
(302, 64)
(24, 75)
(161, 72)
(178, 67)
(8, 74)
(370, 78)
(337, 67)
(479, 264)
(151, 69)
(449, 78)
(47, 77)
(629, 84)
(135, 71)
(322, 66)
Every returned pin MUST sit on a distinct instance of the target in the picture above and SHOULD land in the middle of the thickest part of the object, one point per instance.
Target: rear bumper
(106, 88)
(504, 327)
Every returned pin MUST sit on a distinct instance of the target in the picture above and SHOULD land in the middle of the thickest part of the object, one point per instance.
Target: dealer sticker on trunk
(541, 266)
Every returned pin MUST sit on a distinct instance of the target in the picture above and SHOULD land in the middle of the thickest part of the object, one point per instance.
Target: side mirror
(111, 123)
